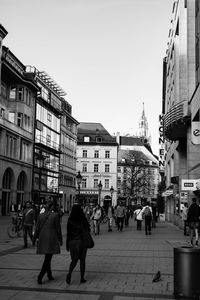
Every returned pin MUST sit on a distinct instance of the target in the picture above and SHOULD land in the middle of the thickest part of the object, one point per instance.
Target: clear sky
(106, 54)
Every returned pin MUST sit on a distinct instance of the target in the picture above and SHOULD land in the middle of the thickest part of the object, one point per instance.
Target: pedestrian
(49, 235)
(110, 214)
(193, 216)
(154, 211)
(127, 216)
(138, 217)
(184, 217)
(96, 218)
(28, 222)
(120, 215)
(147, 216)
(76, 225)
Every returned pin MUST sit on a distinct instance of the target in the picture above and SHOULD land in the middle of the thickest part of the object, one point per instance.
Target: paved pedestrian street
(121, 266)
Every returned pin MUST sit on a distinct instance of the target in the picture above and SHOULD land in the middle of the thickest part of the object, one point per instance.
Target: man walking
(147, 215)
(120, 215)
(193, 217)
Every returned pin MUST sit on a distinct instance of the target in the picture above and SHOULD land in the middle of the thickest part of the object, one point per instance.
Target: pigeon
(157, 277)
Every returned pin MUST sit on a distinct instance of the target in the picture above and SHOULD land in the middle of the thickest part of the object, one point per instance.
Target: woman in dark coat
(49, 235)
(76, 224)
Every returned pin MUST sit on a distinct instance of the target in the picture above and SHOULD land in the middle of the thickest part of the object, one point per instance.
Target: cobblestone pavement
(121, 266)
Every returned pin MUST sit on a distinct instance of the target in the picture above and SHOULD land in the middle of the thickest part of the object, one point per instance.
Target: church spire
(143, 127)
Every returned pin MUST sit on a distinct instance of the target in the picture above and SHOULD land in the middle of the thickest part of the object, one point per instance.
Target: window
(99, 139)
(84, 153)
(119, 169)
(21, 94)
(107, 154)
(3, 89)
(11, 117)
(96, 154)
(11, 143)
(20, 119)
(49, 117)
(24, 150)
(95, 183)
(84, 169)
(96, 168)
(86, 139)
(107, 184)
(48, 138)
(13, 92)
(2, 112)
(84, 183)
(107, 168)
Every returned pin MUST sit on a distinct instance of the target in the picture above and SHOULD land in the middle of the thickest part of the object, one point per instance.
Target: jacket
(193, 213)
(49, 234)
(75, 231)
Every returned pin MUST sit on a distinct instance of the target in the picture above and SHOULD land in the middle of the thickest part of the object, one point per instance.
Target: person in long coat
(49, 235)
(76, 224)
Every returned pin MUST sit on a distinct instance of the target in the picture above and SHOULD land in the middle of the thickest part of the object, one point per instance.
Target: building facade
(67, 183)
(17, 113)
(97, 163)
(181, 107)
(46, 156)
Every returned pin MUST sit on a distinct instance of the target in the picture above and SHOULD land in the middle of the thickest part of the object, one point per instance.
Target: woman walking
(76, 225)
(49, 235)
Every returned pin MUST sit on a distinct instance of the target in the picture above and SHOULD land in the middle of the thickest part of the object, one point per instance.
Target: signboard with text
(189, 184)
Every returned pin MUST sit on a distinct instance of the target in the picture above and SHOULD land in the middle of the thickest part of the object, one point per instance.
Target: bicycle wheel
(12, 233)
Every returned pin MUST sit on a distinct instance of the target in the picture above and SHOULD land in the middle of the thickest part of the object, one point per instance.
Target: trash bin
(187, 272)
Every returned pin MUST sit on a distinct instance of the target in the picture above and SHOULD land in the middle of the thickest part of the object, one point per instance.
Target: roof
(94, 130)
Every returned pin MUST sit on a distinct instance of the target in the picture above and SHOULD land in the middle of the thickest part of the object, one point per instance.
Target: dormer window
(98, 139)
(86, 139)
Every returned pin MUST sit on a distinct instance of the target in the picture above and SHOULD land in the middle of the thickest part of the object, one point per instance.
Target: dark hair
(77, 215)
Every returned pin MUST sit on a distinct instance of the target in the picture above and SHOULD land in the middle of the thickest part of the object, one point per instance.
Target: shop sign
(195, 132)
(189, 184)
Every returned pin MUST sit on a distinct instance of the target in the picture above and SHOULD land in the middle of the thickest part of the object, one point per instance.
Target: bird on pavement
(157, 277)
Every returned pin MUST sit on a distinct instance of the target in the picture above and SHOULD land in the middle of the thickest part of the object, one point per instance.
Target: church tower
(143, 132)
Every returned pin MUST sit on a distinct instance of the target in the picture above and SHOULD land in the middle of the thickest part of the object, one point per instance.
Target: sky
(105, 54)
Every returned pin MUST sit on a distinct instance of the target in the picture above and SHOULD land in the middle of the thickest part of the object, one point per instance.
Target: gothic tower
(143, 132)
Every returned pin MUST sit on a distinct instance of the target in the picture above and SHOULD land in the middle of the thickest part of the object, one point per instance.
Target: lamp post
(79, 179)
(111, 193)
(100, 188)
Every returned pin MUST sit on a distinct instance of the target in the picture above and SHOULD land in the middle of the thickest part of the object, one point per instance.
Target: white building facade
(97, 163)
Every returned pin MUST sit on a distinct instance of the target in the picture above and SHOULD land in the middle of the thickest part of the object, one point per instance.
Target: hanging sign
(195, 132)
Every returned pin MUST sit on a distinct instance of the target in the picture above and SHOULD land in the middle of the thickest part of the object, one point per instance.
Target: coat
(49, 234)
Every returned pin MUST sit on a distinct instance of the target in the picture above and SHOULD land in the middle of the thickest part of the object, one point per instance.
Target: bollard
(187, 272)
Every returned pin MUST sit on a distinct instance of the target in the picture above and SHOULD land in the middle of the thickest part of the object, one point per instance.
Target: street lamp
(100, 188)
(111, 193)
(79, 179)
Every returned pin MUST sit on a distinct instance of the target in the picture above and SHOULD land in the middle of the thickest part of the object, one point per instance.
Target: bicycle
(15, 229)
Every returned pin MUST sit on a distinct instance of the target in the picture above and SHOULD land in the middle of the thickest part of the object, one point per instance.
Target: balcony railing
(176, 120)
(40, 139)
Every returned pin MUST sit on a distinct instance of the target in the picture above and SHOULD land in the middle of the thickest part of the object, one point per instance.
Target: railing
(43, 140)
(7, 55)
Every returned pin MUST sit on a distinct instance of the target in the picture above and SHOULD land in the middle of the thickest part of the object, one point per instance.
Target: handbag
(87, 239)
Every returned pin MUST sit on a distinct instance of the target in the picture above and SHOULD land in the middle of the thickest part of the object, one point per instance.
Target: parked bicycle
(15, 229)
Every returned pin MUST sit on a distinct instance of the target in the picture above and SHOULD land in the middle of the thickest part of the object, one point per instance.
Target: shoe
(39, 280)
(25, 246)
(50, 277)
(196, 244)
(83, 280)
(68, 279)
(191, 243)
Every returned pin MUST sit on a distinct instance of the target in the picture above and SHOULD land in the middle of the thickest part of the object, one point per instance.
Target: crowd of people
(43, 227)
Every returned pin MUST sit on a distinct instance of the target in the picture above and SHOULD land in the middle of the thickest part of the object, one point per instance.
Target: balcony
(44, 142)
(176, 121)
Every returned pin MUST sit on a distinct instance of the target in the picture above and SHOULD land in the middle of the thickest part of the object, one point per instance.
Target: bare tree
(136, 179)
